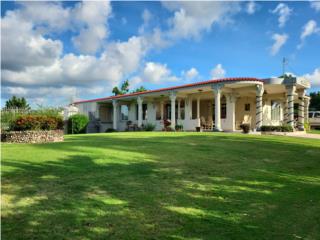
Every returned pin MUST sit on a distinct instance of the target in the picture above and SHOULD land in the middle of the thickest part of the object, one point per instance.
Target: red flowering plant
(36, 122)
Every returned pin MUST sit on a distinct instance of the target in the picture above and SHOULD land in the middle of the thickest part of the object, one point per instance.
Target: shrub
(77, 123)
(283, 128)
(34, 122)
(149, 127)
(245, 127)
(110, 130)
(306, 126)
(179, 127)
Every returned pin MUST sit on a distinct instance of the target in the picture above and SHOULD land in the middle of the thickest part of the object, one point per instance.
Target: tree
(124, 89)
(16, 102)
(314, 101)
(116, 91)
(140, 89)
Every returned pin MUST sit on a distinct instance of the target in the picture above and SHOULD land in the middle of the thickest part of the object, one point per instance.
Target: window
(247, 107)
(124, 112)
(194, 109)
(158, 111)
(317, 114)
(275, 110)
(311, 115)
(223, 111)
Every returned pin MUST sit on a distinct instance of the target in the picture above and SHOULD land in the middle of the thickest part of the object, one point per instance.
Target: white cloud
(314, 77)
(157, 73)
(92, 17)
(192, 18)
(22, 46)
(191, 74)
(315, 5)
(279, 41)
(46, 15)
(218, 72)
(251, 7)
(284, 13)
(308, 29)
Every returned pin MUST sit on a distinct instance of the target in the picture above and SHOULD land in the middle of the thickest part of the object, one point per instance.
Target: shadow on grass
(164, 187)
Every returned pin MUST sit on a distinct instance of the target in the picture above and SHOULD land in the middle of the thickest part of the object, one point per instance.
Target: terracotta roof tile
(173, 88)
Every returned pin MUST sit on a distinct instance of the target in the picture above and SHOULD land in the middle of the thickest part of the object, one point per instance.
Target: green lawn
(315, 131)
(162, 186)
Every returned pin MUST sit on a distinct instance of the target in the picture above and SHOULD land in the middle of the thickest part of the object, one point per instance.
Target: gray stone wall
(32, 136)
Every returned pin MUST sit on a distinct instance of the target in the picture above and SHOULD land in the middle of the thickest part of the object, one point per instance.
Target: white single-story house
(221, 105)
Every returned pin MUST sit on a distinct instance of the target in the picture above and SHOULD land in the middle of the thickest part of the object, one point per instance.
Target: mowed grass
(162, 186)
(314, 131)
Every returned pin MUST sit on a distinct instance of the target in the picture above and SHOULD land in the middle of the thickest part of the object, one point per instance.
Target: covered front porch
(191, 107)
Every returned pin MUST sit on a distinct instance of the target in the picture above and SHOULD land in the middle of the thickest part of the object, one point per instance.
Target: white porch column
(217, 106)
(285, 109)
(231, 116)
(306, 109)
(115, 113)
(161, 110)
(301, 95)
(290, 95)
(173, 110)
(179, 109)
(139, 101)
(198, 112)
(259, 111)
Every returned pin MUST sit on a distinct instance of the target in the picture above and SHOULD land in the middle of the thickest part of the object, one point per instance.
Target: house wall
(240, 111)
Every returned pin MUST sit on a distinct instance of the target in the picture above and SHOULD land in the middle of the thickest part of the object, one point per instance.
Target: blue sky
(53, 52)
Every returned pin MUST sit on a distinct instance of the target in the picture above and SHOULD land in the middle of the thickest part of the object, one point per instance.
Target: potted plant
(199, 129)
(245, 127)
(179, 127)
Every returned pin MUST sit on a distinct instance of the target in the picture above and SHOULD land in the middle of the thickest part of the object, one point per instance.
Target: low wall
(32, 136)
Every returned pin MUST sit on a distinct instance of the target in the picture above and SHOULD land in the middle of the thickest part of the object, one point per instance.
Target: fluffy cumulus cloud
(218, 72)
(314, 78)
(279, 41)
(33, 59)
(284, 12)
(92, 18)
(190, 19)
(190, 74)
(22, 46)
(157, 73)
(315, 5)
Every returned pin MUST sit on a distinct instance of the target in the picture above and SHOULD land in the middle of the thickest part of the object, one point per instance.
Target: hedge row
(36, 122)
(284, 128)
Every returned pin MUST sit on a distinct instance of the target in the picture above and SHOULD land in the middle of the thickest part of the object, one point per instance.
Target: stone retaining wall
(32, 136)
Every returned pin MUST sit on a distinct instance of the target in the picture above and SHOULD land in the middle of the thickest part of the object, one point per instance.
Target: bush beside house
(77, 124)
(284, 128)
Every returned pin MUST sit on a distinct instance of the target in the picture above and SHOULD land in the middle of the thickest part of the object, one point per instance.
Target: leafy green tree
(314, 101)
(16, 102)
(140, 89)
(116, 91)
(123, 89)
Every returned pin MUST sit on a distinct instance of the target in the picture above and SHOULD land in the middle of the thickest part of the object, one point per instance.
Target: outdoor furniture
(206, 125)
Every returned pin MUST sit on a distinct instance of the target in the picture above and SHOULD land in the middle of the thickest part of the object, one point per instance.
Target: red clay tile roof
(173, 88)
